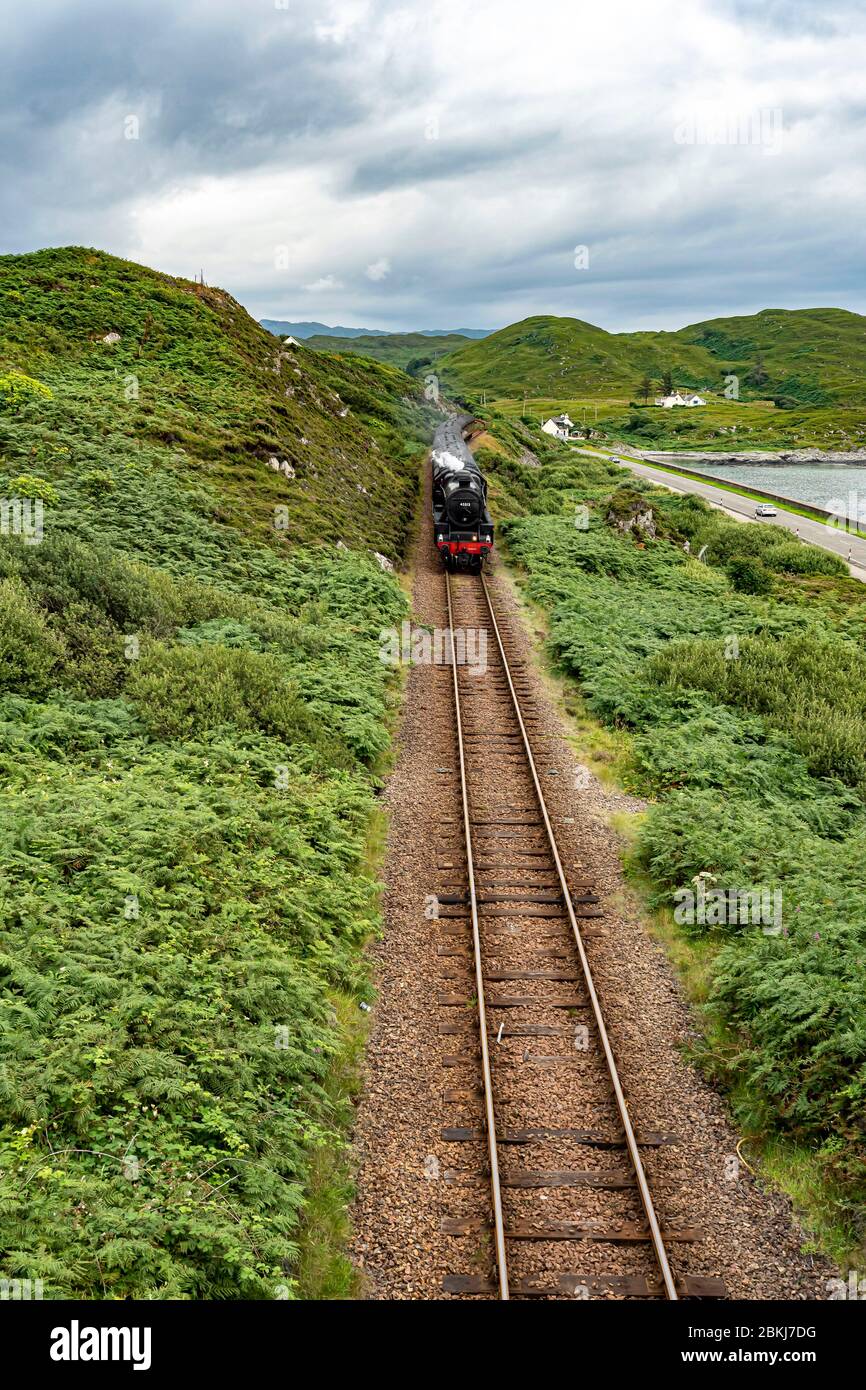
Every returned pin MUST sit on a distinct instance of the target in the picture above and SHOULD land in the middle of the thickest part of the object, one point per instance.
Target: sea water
(838, 487)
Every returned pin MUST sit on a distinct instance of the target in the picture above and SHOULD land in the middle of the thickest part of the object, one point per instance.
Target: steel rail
(489, 1109)
(631, 1142)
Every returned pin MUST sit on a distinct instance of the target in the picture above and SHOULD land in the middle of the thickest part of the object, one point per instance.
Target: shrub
(29, 651)
(98, 482)
(182, 691)
(793, 558)
(810, 685)
(16, 390)
(63, 571)
(749, 575)
(94, 657)
(37, 488)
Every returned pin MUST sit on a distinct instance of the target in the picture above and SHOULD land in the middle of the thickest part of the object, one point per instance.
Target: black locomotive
(462, 526)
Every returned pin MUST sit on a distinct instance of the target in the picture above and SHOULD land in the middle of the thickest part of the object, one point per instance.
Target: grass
(196, 391)
(323, 1269)
(412, 352)
(721, 426)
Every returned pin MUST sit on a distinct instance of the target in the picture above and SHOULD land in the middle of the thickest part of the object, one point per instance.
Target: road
(851, 548)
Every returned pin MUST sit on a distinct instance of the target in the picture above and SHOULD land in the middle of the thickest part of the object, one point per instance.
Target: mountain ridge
(803, 356)
(309, 328)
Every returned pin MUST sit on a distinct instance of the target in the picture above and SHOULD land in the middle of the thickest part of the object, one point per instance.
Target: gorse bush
(25, 485)
(16, 389)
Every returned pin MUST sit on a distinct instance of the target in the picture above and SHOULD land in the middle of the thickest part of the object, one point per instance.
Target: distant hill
(455, 332)
(310, 329)
(411, 351)
(795, 356)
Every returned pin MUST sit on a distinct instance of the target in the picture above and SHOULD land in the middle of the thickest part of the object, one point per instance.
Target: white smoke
(443, 460)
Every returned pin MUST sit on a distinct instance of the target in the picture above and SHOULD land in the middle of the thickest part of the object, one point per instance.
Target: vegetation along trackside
(193, 714)
(736, 684)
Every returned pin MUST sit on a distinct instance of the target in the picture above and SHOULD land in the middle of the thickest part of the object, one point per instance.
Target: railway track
(561, 1170)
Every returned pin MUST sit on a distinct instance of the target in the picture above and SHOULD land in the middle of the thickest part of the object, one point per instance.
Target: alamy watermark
(707, 124)
(24, 517)
(847, 514)
(704, 906)
(438, 646)
(18, 1289)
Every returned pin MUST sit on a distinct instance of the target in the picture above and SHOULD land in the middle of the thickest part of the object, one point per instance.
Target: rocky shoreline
(829, 457)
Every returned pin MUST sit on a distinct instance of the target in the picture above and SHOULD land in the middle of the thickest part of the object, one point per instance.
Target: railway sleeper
(559, 1285)
(625, 1233)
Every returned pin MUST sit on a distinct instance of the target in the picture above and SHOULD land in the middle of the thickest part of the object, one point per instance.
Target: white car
(765, 509)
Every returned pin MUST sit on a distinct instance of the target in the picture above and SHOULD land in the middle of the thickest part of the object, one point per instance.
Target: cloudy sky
(448, 163)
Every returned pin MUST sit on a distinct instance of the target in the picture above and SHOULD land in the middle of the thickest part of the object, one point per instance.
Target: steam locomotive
(462, 525)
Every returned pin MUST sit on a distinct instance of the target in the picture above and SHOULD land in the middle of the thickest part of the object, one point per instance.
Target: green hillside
(543, 356)
(193, 713)
(410, 351)
(197, 389)
(801, 357)
(809, 356)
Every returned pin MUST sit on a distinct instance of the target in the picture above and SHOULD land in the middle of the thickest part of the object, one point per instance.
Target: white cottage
(676, 398)
(559, 426)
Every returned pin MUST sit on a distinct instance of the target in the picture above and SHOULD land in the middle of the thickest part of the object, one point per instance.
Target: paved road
(851, 548)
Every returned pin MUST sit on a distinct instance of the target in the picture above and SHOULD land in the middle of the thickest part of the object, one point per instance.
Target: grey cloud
(796, 16)
(426, 161)
(217, 88)
(479, 225)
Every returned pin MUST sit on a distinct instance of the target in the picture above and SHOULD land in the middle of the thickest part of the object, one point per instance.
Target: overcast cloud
(447, 163)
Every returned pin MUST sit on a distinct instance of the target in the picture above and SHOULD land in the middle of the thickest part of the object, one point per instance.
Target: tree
(645, 388)
(667, 382)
